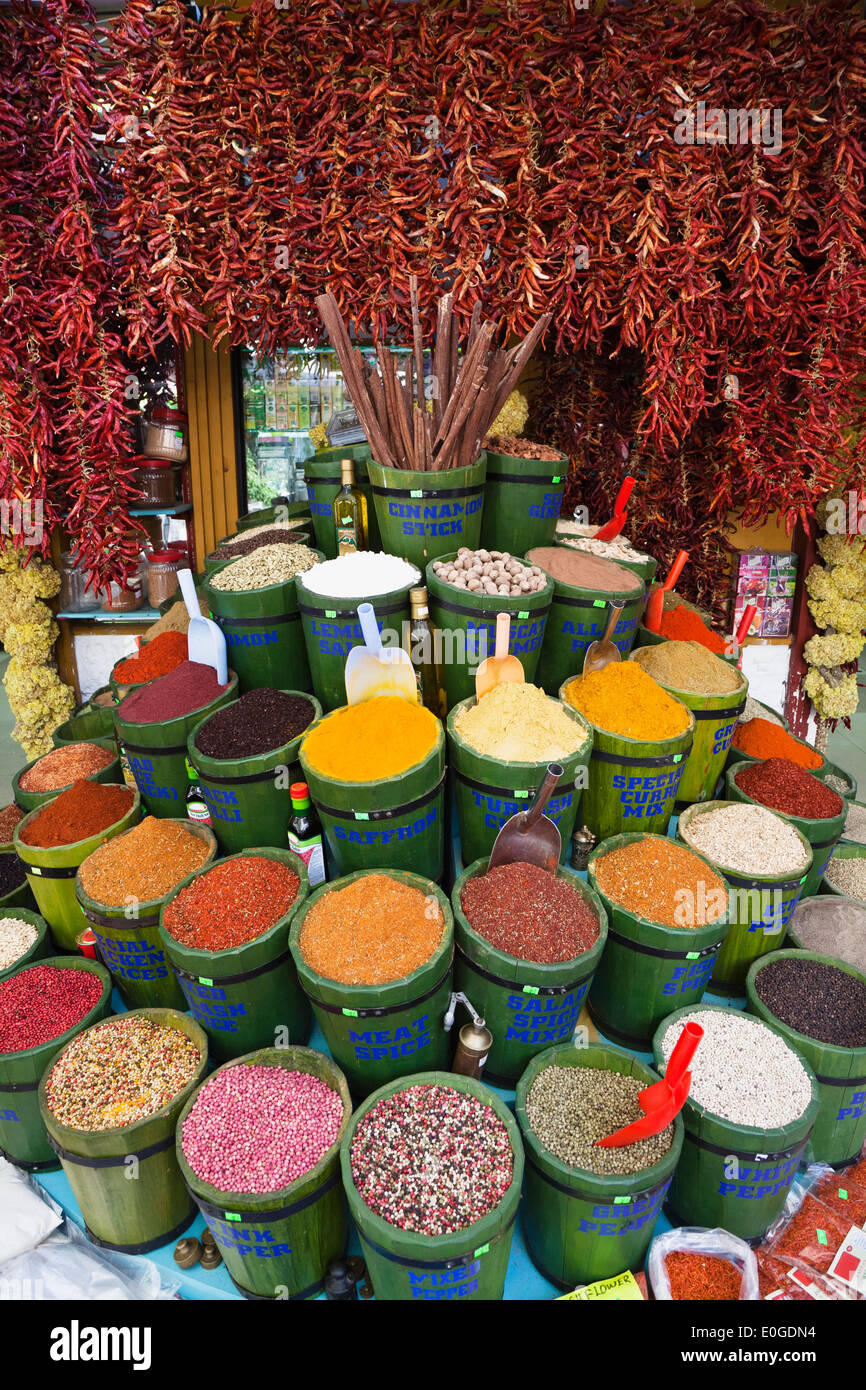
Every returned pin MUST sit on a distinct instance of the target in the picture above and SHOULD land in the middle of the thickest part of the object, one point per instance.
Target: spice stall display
(121, 887)
(254, 600)
(590, 1212)
(583, 586)
(799, 796)
(258, 1145)
(528, 943)
(112, 1096)
(765, 861)
(498, 752)
(225, 930)
(668, 916)
(374, 954)
(42, 779)
(23, 939)
(433, 1166)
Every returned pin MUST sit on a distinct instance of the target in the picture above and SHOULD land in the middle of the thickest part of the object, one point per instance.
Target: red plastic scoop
(611, 529)
(664, 1099)
(652, 618)
(745, 623)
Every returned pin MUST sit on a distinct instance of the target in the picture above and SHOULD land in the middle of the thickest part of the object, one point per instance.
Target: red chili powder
(231, 904)
(683, 625)
(529, 913)
(699, 1278)
(783, 786)
(188, 687)
(156, 658)
(82, 810)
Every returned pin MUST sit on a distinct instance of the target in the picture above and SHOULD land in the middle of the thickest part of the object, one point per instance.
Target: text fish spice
(529, 913)
(783, 786)
(16, 938)
(431, 1159)
(188, 687)
(85, 809)
(374, 930)
(699, 1278)
(39, 1004)
(257, 1129)
(118, 1072)
(231, 904)
(570, 1108)
(143, 864)
(662, 882)
(819, 1000)
(63, 766)
(257, 723)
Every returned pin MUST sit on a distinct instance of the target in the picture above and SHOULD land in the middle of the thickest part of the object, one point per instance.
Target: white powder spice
(361, 574)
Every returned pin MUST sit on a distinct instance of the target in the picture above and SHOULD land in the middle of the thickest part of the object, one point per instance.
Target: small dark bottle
(305, 832)
(196, 806)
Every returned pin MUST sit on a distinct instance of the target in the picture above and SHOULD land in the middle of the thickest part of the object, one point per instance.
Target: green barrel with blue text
(331, 628)
(322, 476)
(822, 832)
(577, 617)
(522, 501)
(425, 515)
(262, 628)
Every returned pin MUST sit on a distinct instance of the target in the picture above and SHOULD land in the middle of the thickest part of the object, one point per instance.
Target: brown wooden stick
(450, 446)
(416, 337)
(401, 439)
(521, 356)
(354, 375)
(473, 362)
(474, 432)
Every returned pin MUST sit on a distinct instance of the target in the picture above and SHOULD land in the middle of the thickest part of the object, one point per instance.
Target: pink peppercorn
(40, 1004)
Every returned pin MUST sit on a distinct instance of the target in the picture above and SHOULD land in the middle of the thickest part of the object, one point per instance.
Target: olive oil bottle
(350, 512)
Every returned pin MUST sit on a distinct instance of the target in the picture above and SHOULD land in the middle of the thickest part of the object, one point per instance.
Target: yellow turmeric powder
(381, 737)
(622, 699)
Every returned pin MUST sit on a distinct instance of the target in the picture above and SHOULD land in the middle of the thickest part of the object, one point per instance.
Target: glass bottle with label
(305, 833)
(350, 512)
(196, 806)
(423, 654)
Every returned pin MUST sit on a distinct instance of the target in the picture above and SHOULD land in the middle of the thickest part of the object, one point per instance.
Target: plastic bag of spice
(694, 1262)
(808, 1232)
(783, 1282)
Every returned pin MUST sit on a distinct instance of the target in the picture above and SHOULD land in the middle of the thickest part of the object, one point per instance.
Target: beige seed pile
(753, 710)
(16, 937)
(618, 549)
(746, 839)
(742, 1070)
(848, 876)
(569, 1108)
(838, 784)
(270, 564)
(490, 572)
(855, 820)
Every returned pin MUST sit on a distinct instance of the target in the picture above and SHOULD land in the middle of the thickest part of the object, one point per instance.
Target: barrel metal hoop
(313, 612)
(120, 923)
(717, 713)
(843, 1081)
(232, 979)
(728, 1152)
(19, 1086)
(268, 1298)
(224, 621)
(668, 760)
(387, 1009)
(519, 795)
(159, 751)
(548, 991)
(656, 951)
(598, 1199)
(263, 1218)
(384, 815)
(751, 883)
(458, 1263)
(247, 778)
(321, 482)
(44, 871)
(28, 1165)
(530, 477)
(488, 613)
(146, 1245)
(591, 605)
(416, 493)
(113, 1160)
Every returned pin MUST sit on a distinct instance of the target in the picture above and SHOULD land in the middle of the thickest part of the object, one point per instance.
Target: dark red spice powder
(258, 722)
(156, 658)
(39, 1004)
(812, 1236)
(9, 818)
(697, 1277)
(529, 913)
(231, 904)
(783, 786)
(84, 809)
(188, 687)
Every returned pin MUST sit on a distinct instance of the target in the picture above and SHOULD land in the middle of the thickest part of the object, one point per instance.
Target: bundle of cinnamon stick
(466, 395)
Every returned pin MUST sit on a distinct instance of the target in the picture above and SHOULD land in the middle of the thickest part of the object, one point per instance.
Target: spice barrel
(466, 627)
(23, 1137)
(577, 617)
(760, 906)
(408, 1266)
(279, 510)
(488, 790)
(648, 969)
(29, 801)
(51, 874)
(322, 476)
(22, 894)
(632, 783)
(279, 1244)
(583, 1226)
(331, 628)
(130, 1216)
(37, 949)
(424, 515)
(378, 1033)
(840, 1125)
(262, 628)
(822, 833)
(128, 940)
(844, 850)
(157, 753)
(387, 823)
(828, 770)
(248, 798)
(737, 755)
(89, 722)
(247, 996)
(522, 501)
(716, 718)
(732, 1175)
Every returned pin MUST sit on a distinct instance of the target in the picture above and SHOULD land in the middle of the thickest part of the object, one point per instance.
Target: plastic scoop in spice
(374, 670)
(662, 1101)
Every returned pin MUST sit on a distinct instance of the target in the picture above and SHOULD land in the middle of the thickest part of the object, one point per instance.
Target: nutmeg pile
(490, 572)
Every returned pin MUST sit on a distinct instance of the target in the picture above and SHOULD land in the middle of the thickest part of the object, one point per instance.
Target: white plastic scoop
(376, 670)
(205, 642)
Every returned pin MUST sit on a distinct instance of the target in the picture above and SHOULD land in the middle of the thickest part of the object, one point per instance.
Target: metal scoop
(601, 654)
(530, 837)
(205, 643)
(664, 1099)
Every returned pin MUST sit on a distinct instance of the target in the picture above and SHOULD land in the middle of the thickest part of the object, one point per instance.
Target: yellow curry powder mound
(622, 699)
(381, 737)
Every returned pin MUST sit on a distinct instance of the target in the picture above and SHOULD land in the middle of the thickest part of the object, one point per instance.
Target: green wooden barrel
(733, 1176)
(736, 756)
(648, 970)
(281, 510)
(20, 896)
(577, 617)
(407, 1266)
(466, 623)
(120, 689)
(833, 770)
(249, 996)
(29, 801)
(391, 823)
(633, 783)
(40, 947)
(23, 1137)
(845, 850)
(582, 1226)
(487, 791)
(89, 722)
(51, 875)
(822, 834)
(844, 839)
(322, 476)
(248, 798)
(279, 1244)
(157, 753)
(525, 1004)
(129, 944)
(378, 1033)
(840, 1125)
(300, 535)
(424, 515)
(716, 718)
(331, 628)
(262, 628)
(522, 501)
(154, 1208)
(759, 908)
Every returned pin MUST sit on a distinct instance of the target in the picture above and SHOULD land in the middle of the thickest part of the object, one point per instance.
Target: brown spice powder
(372, 931)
